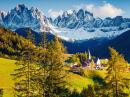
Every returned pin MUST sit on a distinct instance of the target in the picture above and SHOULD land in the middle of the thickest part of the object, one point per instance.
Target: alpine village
(64, 53)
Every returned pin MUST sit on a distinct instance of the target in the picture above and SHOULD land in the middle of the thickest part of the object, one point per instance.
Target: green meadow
(7, 67)
(73, 80)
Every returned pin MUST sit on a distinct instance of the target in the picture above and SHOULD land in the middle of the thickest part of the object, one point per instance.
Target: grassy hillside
(11, 43)
(6, 68)
(77, 81)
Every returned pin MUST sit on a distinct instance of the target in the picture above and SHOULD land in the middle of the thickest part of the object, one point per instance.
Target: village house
(75, 68)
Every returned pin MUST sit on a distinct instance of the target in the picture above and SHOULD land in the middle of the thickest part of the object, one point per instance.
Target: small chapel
(87, 64)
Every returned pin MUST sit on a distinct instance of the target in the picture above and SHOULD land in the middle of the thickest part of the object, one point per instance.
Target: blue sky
(53, 8)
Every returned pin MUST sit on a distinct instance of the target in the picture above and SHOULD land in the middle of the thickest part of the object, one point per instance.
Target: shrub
(88, 92)
(6, 56)
(1, 92)
(83, 72)
(14, 57)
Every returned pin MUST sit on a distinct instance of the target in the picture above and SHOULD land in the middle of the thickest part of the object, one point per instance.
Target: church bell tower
(88, 56)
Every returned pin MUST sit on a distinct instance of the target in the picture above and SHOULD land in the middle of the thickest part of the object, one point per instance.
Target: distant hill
(72, 48)
(11, 43)
(120, 43)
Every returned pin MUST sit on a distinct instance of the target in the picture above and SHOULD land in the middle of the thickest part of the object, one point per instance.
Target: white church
(88, 63)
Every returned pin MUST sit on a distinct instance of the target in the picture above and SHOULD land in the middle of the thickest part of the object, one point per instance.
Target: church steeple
(88, 56)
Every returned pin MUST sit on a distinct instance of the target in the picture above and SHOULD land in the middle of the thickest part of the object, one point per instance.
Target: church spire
(89, 56)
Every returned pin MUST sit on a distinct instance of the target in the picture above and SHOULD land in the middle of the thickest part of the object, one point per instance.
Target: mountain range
(79, 30)
(21, 16)
(77, 27)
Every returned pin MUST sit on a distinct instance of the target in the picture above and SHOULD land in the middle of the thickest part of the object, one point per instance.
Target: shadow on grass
(99, 80)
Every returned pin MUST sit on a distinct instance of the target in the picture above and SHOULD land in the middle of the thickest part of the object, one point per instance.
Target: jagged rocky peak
(80, 14)
(3, 14)
(1, 17)
(74, 12)
(118, 20)
(57, 20)
(86, 13)
(65, 14)
(86, 19)
(32, 9)
(20, 7)
(37, 10)
(98, 18)
(21, 16)
(0, 11)
(88, 16)
(50, 20)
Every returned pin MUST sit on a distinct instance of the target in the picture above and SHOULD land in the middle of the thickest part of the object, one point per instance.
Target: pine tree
(85, 56)
(115, 78)
(55, 79)
(43, 43)
(92, 64)
(26, 73)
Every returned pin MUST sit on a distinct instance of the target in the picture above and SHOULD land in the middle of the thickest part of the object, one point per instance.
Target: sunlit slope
(7, 67)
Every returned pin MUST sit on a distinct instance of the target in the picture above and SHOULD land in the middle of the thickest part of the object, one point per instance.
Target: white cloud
(106, 10)
(54, 14)
(78, 7)
(69, 11)
(50, 10)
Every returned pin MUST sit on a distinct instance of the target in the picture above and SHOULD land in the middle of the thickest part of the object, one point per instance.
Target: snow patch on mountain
(81, 34)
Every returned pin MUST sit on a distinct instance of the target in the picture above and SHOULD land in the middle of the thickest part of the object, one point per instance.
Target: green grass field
(7, 67)
(77, 81)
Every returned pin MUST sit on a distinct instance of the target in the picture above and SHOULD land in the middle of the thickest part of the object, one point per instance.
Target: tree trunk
(44, 75)
(116, 81)
(44, 65)
(29, 66)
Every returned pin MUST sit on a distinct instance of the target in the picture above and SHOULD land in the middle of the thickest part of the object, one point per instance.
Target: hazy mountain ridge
(72, 47)
(120, 43)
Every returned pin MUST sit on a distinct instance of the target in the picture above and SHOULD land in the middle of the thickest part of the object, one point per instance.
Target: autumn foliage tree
(92, 64)
(115, 76)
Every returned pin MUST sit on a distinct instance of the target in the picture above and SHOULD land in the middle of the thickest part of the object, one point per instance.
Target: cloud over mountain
(54, 14)
(106, 10)
(78, 7)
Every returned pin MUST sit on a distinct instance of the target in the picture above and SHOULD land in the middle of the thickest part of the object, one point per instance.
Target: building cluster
(87, 64)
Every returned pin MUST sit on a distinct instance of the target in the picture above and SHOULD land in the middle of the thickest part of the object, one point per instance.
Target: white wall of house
(98, 62)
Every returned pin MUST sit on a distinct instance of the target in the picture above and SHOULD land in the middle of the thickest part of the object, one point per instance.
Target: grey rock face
(86, 19)
(21, 16)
